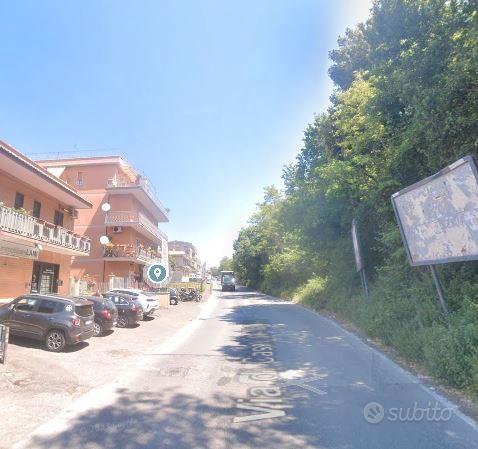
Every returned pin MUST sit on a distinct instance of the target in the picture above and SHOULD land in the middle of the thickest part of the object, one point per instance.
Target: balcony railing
(27, 226)
(131, 253)
(120, 217)
(140, 182)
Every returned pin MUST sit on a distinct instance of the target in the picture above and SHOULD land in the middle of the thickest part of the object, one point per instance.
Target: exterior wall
(94, 177)
(92, 223)
(16, 274)
(10, 186)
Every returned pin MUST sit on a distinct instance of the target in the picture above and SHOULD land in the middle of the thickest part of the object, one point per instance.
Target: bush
(311, 294)
(451, 353)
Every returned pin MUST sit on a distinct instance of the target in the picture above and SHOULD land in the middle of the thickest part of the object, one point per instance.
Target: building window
(19, 199)
(36, 209)
(58, 219)
(79, 179)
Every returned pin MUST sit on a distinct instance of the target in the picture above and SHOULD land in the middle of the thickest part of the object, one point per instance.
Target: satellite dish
(105, 207)
(104, 240)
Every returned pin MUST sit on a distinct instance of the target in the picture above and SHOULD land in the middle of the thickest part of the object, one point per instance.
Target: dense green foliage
(225, 264)
(405, 106)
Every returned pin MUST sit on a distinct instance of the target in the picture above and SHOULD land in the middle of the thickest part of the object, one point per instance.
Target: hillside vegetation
(404, 107)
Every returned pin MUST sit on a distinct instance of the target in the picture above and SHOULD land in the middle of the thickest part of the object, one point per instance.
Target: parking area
(36, 384)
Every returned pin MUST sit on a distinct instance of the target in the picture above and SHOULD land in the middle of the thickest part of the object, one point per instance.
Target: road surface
(254, 372)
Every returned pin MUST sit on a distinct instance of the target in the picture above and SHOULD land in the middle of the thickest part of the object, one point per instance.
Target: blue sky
(208, 98)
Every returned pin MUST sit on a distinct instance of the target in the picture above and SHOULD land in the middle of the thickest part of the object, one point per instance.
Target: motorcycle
(189, 295)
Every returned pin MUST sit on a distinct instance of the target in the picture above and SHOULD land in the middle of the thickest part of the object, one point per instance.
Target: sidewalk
(36, 384)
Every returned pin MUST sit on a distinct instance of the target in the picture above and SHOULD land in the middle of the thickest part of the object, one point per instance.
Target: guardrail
(42, 231)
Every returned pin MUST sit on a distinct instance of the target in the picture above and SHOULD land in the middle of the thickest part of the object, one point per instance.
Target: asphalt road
(254, 372)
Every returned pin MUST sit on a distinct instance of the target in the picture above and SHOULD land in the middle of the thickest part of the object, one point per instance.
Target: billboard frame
(444, 171)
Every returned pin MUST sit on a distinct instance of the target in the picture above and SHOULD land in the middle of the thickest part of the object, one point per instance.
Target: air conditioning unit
(117, 229)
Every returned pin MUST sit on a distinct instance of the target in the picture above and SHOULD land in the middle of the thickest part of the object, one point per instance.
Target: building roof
(59, 189)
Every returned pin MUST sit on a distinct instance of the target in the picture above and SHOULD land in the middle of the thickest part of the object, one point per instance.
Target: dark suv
(106, 314)
(130, 311)
(56, 320)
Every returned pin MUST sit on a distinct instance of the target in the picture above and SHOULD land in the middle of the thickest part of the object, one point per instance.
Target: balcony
(127, 253)
(143, 191)
(54, 238)
(138, 221)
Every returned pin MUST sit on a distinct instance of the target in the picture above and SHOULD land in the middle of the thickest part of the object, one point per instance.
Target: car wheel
(55, 340)
(122, 321)
(98, 329)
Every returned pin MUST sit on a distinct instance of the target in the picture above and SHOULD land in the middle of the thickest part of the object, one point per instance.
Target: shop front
(45, 278)
(27, 269)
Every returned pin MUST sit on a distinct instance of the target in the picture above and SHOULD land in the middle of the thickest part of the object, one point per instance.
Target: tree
(225, 264)
(405, 106)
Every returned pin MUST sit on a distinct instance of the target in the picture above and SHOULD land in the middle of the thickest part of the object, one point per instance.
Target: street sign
(18, 250)
(438, 216)
(156, 274)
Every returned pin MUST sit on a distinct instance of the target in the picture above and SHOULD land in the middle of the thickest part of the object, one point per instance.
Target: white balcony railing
(123, 217)
(27, 226)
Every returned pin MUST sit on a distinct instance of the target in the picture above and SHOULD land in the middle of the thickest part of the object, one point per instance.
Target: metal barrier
(4, 331)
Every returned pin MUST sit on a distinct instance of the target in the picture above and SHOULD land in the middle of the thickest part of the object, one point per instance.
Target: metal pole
(441, 295)
(365, 284)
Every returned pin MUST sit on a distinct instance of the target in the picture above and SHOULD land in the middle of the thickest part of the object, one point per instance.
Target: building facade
(122, 224)
(183, 260)
(37, 215)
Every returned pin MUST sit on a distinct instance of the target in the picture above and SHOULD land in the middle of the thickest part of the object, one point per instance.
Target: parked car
(106, 314)
(173, 297)
(56, 320)
(129, 308)
(148, 303)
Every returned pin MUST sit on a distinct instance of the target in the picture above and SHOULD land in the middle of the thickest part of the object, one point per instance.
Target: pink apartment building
(125, 210)
(37, 215)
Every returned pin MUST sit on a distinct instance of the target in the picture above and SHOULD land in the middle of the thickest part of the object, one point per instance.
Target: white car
(148, 303)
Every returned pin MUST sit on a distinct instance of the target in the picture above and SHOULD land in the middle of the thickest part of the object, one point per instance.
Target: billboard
(438, 216)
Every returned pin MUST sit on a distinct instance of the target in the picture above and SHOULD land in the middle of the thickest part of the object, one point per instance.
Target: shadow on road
(162, 421)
